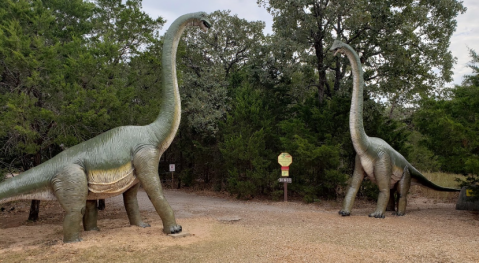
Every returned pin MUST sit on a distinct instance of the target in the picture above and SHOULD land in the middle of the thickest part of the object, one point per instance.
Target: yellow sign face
(469, 192)
(285, 159)
(285, 173)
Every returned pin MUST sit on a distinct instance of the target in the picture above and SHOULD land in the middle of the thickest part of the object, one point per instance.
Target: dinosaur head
(201, 19)
(337, 47)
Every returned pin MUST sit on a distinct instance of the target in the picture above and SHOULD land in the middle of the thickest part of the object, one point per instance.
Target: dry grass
(442, 179)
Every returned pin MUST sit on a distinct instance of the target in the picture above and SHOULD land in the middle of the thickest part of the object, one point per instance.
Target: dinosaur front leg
(131, 205)
(353, 188)
(382, 174)
(403, 189)
(91, 216)
(71, 189)
(146, 167)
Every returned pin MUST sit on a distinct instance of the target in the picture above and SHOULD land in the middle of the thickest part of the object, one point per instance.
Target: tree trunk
(34, 210)
(318, 37)
(35, 205)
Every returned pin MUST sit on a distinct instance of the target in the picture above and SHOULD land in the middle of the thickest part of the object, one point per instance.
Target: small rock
(229, 218)
(178, 235)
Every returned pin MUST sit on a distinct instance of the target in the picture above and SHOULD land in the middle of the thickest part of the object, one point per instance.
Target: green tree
(32, 50)
(473, 79)
(246, 135)
(403, 44)
(117, 70)
(65, 75)
(451, 129)
(211, 65)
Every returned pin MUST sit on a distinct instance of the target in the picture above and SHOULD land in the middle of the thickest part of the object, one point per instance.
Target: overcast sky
(466, 35)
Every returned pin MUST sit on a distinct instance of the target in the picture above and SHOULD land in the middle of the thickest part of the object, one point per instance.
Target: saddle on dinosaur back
(375, 158)
(114, 162)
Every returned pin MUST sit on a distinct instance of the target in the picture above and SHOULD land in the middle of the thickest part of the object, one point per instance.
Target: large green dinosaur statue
(114, 162)
(375, 158)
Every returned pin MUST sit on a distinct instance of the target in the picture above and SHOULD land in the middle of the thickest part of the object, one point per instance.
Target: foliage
(34, 47)
(419, 155)
(71, 70)
(211, 66)
(404, 51)
(316, 163)
(246, 133)
(473, 79)
(209, 62)
(451, 129)
(65, 72)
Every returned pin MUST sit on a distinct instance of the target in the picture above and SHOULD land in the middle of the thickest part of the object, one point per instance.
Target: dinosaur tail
(417, 177)
(31, 184)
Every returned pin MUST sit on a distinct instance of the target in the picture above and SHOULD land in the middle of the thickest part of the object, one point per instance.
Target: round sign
(285, 159)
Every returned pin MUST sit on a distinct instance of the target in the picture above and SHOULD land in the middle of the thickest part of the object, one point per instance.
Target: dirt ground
(227, 230)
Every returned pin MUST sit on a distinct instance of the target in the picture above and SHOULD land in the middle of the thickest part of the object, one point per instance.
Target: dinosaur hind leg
(91, 216)
(71, 189)
(131, 206)
(392, 200)
(403, 188)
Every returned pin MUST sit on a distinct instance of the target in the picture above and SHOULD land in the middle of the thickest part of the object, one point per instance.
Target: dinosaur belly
(111, 182)
(368, 166)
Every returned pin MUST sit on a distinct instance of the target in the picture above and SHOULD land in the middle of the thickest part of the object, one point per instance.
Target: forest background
(70, 70)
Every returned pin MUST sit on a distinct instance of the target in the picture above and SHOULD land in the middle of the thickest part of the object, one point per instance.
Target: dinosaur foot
(174, 229)
(399, 213)
(377, 215)
(344, 213)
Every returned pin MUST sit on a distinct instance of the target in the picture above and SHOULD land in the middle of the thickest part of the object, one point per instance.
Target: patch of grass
(442, 179)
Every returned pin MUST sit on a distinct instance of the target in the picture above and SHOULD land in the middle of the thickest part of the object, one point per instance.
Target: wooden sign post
(172, 170)
(285, 160)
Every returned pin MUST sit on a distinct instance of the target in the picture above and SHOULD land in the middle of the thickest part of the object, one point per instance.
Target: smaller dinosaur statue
(114, 162)
(375, 158)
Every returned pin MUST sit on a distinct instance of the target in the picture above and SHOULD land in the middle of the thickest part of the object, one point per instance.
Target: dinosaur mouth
(336, 51)
(204, 25)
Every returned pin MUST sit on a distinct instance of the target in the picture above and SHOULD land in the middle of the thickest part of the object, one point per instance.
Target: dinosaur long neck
(167, 122)
(356, 127)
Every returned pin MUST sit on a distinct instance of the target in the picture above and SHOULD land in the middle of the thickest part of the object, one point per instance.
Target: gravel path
(188, 205)
(228, 230)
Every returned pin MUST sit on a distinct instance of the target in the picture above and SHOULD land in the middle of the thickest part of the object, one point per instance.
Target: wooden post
(172, 180)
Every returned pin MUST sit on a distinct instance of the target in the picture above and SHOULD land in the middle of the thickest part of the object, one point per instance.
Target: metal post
(285, 191)
(172, 180)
